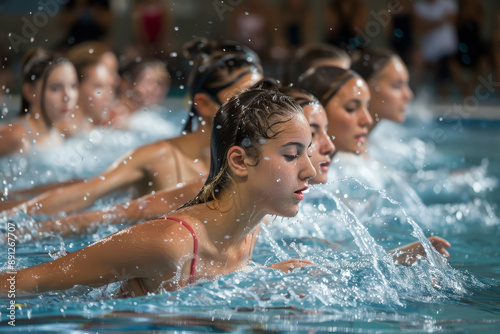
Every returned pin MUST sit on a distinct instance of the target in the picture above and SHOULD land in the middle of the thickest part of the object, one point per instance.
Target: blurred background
(449, 50)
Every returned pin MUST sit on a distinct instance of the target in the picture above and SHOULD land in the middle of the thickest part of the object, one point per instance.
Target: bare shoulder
(157, 149)
(169, 238)
(12, 136)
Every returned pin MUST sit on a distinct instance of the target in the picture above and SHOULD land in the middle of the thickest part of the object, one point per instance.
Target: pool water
(438, 179)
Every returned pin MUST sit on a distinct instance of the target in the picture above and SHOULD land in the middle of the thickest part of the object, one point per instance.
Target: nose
(308, 172)
(409, 93)
(364, 118)
(326, 145)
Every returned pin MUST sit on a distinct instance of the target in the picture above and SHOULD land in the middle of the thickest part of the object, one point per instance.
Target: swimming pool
(344, 228)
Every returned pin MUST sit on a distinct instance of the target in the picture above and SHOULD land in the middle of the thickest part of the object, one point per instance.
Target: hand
(289, 265)
(411, 251)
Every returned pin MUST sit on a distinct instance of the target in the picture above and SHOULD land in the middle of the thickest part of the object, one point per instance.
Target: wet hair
(85, 55)
(132, 71)
(307, 56)
(369, 63)
(302, 97)
(39, 64)
(325, 81)
(213, 64)
(246, 120)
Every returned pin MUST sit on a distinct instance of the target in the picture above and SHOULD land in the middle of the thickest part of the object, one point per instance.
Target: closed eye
(291, 157)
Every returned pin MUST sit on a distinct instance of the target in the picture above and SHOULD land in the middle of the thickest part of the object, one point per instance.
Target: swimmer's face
(322, 147)
(61, 92)
(284, 169)
(150, 88)
(390, 93)
(96, 93)
(348, 116)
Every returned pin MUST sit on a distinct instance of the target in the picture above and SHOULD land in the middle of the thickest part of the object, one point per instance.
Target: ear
(204, 104)
(237, 161)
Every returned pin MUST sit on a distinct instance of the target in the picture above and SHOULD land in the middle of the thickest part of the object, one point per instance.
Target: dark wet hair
(39, 64)
(34, 64)
(213, 64)
(133, 69)
(369, 63)
(307, 56)
(87, 54)
(300, 96)
(325, 81)
(245, 120)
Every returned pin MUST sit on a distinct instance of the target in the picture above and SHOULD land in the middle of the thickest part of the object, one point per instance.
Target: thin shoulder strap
(195, 243)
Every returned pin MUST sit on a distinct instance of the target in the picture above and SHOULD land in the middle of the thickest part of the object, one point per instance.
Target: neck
(38, 122)
(238, 216)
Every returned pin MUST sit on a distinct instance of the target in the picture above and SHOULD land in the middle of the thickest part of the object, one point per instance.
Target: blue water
(438, 178)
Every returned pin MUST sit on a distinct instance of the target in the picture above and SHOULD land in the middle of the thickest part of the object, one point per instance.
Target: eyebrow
(293, 144)
(299, 145)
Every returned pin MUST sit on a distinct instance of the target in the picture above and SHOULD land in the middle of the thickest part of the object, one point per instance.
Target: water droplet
(278, 180)
(176, 28)
(91, 51)
(32, 39)
(173, 54)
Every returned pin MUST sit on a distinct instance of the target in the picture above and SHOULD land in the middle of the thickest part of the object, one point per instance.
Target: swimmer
(144, 84)
(220, 71)
(49, 94)
(345, 96)
(259, 166)
(388, 80)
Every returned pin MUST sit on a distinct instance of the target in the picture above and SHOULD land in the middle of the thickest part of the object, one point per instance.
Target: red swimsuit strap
(195, 242)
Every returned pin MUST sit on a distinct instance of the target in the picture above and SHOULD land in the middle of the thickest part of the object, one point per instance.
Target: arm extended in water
(148, 250)
(144, 208)
(127, 171)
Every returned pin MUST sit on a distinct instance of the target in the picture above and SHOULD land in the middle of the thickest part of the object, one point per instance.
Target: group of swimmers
(255, 150)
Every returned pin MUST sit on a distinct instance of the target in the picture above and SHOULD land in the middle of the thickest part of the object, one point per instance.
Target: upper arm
(148, 250)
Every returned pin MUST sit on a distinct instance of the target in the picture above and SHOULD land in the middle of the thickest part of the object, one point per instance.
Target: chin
(319, 179)
(292, 212)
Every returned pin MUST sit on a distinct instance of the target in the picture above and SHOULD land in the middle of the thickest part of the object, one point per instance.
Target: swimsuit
(123, 294)
(195, 247)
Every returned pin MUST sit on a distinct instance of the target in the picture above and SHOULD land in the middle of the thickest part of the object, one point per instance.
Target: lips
(324, 166)
(300, 194)
(361, 138)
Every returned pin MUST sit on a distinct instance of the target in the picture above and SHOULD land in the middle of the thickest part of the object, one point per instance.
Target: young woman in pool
(259, 165)
(345, 96)
(49, 94)
(220, 71)
(388, 81)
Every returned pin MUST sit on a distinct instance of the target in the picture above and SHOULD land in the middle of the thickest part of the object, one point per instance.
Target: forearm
(35, 191)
